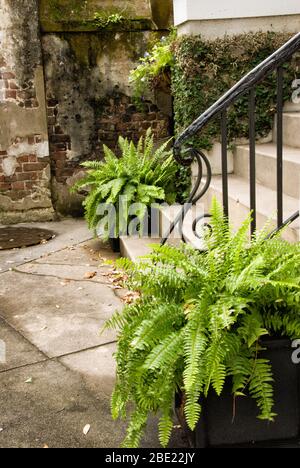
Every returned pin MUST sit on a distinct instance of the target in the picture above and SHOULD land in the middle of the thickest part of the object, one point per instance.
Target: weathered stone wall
(89, 97)
(84, 59)
(24, 150)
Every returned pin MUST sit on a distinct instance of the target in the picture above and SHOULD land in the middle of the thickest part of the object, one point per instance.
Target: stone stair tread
(290, 153)
(295, 114)
(266, 197)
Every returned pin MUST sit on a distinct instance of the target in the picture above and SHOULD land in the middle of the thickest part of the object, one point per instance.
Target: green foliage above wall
(205, 70)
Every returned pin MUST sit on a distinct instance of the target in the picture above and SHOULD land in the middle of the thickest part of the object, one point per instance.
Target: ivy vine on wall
(204, 70)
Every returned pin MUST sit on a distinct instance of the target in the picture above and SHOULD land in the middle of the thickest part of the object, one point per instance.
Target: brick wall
(24, 95)
(21, 176)
(114, 116)
(25, 193)
(119, 116)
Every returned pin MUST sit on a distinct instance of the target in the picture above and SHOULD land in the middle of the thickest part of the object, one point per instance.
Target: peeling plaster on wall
(18, 149)
(9, 166)
(24, 147)
(16, 122)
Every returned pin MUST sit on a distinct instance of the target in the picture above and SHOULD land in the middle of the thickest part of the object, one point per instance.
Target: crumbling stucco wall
(24, 149)
(84, 59)
(89, 97)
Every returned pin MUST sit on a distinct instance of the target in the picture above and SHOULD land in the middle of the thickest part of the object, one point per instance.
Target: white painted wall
(193, 10)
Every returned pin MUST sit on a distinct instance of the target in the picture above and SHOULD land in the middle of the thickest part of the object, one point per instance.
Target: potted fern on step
(122, 189)
(213, 328)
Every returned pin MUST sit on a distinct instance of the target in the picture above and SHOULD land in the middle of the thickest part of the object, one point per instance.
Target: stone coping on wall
(94, 15)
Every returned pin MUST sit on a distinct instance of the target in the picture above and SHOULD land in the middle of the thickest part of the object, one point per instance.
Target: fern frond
(261, 389)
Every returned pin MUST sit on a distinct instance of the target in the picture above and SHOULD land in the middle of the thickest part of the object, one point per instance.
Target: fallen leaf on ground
(130, 297)
(86, 429)
(90, 275)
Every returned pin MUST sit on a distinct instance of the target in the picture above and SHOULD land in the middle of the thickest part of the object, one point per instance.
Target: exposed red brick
(38, 139)
(10, 179)
(5, 186)
(13, 85)
(23, 176)
(8, 76)
(30, 185)
(23, 159)
(9, 94)
(32, 158)
(32, 167)
(18, 185)
(59, 155)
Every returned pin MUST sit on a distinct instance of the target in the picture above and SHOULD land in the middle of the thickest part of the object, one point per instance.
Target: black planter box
(217, 426)
(150, 228)
(115, 244)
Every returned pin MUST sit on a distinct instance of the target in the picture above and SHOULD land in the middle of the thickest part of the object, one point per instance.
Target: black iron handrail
(186, 156)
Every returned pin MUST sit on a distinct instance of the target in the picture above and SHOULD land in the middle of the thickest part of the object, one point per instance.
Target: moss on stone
(86, 16)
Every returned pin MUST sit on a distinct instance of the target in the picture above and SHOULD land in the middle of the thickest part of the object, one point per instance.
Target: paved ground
(59, 371)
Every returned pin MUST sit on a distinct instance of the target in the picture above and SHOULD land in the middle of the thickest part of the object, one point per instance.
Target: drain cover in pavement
(16, 237)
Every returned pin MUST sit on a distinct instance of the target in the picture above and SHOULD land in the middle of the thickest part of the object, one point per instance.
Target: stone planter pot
(218, 428)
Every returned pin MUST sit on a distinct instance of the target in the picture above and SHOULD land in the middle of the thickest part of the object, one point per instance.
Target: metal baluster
(279, 146)
(224, 162)
(252, 158)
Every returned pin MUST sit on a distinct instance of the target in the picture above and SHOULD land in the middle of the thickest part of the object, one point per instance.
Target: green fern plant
(200, 321)
(154, 68)
(141, 175)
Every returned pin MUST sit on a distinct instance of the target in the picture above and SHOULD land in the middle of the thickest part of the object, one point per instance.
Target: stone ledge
(30, 216)
(51, 26)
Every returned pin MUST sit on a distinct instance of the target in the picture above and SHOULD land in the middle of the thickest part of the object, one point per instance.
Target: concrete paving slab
(91, 253)
(57, 319)
(53, 410)
(19, 352)
(89, 272)
(68, 232)
(96, 366)
(49, 309)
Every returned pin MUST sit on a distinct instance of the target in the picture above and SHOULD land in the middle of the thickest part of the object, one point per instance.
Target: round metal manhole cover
(18, 237)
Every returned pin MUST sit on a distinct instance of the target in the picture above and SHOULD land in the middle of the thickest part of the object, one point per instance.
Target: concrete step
(239, 203)
(136, 247)
(291, 129)
(266, 161)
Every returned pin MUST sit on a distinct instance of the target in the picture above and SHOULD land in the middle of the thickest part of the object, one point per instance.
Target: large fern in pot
(200, 321)
(141, 175)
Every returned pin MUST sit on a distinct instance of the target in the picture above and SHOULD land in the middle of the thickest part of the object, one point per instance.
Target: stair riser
(291, 130)
(266, 171)
(238, 212)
